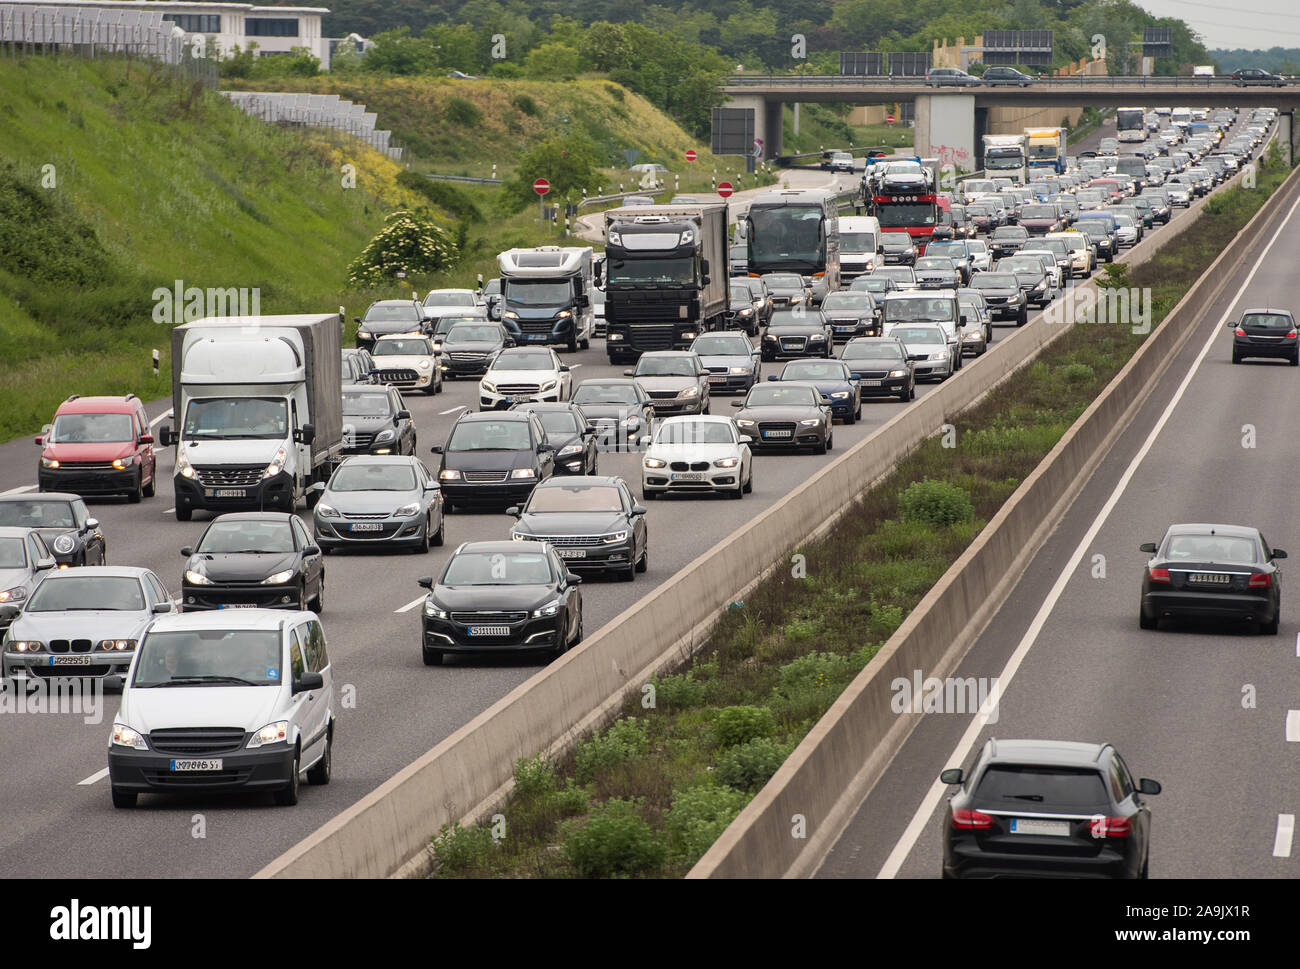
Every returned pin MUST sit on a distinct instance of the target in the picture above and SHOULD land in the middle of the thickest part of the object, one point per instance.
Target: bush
(615, 92)
(699, 814)
(570, 801)
(622, 742)
(460, 848)
(678, 691)
(524, 104)
(446, 196)
(408, 241)
(737, 725)
(935, 503)
(462, 112)
(534, 775)
(748, 766)
(1077, 372)
(814, 669)
(615, 841)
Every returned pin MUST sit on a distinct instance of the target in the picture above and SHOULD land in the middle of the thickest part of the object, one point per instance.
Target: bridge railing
(1064, 82)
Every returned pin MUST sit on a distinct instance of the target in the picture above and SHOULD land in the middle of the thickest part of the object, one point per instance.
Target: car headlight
(49, 462)
(690, 392)
(383, 436)
(550, 609)
(739, 370)
(811, 422)
(276, 465)
(817, 337)
(280, 578)
(549, 385)
(121, 464)
(941, 355)
(746, 312)
(26, 646)
(118, 645)
(526, 474)
(614, 538)
(448, 474)
(423, 364)
(406, 511)
(364, 334)
(840, 395)
(511, 315)
(65, 544)
(744, 422)
(655, 463)
(272, 733)
(488, 385)
(770, 336)
(614, 337)
(124, 736)
(432, 611)
(570, 449)
(563, 315)
(519, 536)
(726, 462)
(898, 373)
(196, 578)
(326, 511)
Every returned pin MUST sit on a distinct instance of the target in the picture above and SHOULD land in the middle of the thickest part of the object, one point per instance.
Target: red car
(98, 446)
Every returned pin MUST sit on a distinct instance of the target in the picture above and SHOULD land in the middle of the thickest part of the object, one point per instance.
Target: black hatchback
(1265, 333)
(493, 458)
(593, 523)
(1047, 809)
(254, 560)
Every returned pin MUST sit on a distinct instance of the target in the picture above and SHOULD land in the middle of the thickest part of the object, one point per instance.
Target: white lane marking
(1285, 832)
(444, 413)
(1297, 644)
(410, 605)
(574, 366)
(959, 755)
(93, 778)
(169, 511)
(18, 491)
(1293, 726)
(160, 418)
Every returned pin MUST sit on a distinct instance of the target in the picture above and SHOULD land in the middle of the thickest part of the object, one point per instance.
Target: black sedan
(741, 313)
(785, 415)
(493, 458)
(376, 421)
(379, 501)
(732, 362)
(797, 333)
(468, 348)
(1030, 276)
(619, 409)
(851, 314)
(592, 523)
(787, 290)
(1047, 808)
(1007, 239)
(897, 248)
(63, 522)
(1265, 333)
(254, 560)
(882, 367)
(570, 432)
(1254, 76)
(1200, 571)
(501, 597)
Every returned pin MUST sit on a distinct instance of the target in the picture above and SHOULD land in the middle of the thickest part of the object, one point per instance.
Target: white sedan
(520, 375)
(697, 454)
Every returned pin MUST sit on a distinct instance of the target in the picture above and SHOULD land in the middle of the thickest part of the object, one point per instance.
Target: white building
(275, 30)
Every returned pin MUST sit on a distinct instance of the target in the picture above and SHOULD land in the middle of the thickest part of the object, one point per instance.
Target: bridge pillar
(767, 120)
(945, 129)
(773, 124)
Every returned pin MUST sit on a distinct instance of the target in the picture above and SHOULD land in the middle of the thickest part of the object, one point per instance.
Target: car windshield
(473, 334)
(722, 346)
(935, 262)
(695, 432)
(895, 240)
(810, 370)
(896, 273)
(12, 554)
(1010, 232)
(396, 348)
(524, 361)
(402, 313)
(35, 513)
(352, 476)
(548, 498)
(872, 351)
(490, 436)
(236, 418)
(1038, 212)
(857, 242)
(91, 429)
(209, 657)
(994, 281)
(679, 270)
(797, 317)
(917, 334)
(948, 250)
(443, 298)
(558, 423)
(497, 568)
(918, 310)
(538, 292)
(741, 294)
(651, 366)
(846, 301)
(1274, 321)
(871, 284)
(783, 281)
(589, 393)
(246, 536)
(978, 246)
(771, 396)
(1018, 266)
(1210, 548)
(1015, 784)
(66, 592)
(366, 405)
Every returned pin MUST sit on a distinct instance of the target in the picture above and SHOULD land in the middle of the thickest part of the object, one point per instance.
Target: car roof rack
(129, 397)
(73, 397)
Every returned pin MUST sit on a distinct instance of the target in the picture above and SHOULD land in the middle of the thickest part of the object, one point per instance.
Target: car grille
(485, 477)
(197, 741)
(59, 672)
(486, 618)
(871, 374)
(398, 375)
(70, 646)
(784, 430)
(793, 343)
(219, 778)
(722, 370)
(662, 394)
(536, 326)
(366, 516)
(87, 466)
(693, 466)
(467, 356)
(569, 541)
(518, 388)
(237, 476)
(645, 337)
(358, 441)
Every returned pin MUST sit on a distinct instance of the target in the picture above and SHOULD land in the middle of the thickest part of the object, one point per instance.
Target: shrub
(570, 801)
(615, 841)
(460, 848)
(748, 767)
(1077, 372)
(524, 104)
(814, 669)
(622, 742)
(699, 814)
(736, 725)
(935, 503)
(678, 691)
(534, 775)
(446, 196)
(408, 241)
(615, 92)
(462, 112)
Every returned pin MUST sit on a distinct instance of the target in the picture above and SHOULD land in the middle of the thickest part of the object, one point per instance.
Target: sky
(1254, 24)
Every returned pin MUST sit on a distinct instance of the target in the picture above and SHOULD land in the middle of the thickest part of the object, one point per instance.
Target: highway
(1205, 710)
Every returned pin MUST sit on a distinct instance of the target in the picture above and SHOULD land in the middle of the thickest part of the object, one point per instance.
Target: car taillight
(1159, 575)
(1240, 332)
(968, 820)
(1112, 827)
(1291, 335)
(1261, 580)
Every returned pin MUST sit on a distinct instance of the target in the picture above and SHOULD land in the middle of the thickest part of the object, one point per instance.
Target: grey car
(787, 290)
(83, 622)
(674, 380)
(24, 558)
(64, 523)
(732, 362)
(371, 501)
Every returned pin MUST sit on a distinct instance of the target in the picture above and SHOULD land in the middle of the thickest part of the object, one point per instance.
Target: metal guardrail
(1063, 82)
(464, 178)
(597, 199)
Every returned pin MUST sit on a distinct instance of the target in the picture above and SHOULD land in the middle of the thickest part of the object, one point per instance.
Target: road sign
(889, 119)
(724, 189)
(690, 154)
(541, 186)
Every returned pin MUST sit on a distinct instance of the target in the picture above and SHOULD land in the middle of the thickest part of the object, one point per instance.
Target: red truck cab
(98, 446)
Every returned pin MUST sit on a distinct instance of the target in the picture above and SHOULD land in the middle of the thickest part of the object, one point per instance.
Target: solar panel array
(106, 29)
(1018, 47)
(317, 110)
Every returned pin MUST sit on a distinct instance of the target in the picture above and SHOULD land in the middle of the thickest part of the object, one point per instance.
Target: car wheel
(749, 482)
(287, 796)
(440, 535)
(648, 495)
(1146, 867)
(151, 488)
(739, 492)
(303, 601)
(1022, 317)
(319, 602)
(136, 493)
(124, 799)
(425, 539)
(643, 562)
(1270, 628)
(1145, 621)
(184, 513)
(1295, 359)
(320, 772)
(823, 446)
(905, 394)
(431, 657)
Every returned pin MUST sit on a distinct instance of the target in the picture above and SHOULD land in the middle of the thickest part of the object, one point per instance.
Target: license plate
(572, 553)
(777, 433)
(236, 605)
(366, 527)
(688, 475)
(848, 328)
(872, 383)
(489, 630)
(69, 660)
(1056, 829)
(1210, 577)
(226, 492)
(717, 378)
(535, 337)
(518, 398)
(195, 765)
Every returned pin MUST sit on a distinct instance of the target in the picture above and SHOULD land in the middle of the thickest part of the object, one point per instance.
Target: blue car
(839, 388)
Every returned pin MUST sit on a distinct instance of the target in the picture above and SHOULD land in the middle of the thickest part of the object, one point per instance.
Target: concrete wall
(945, 129)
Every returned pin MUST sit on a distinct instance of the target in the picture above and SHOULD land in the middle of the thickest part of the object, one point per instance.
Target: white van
(234, 700)
(859, 245)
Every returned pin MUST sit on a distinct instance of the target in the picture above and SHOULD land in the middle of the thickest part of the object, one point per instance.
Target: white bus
(1131, 124)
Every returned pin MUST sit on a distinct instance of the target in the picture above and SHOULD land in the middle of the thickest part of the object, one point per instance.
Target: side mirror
(308, 681)
(1147, 786)
(187, 551)
(629, 373)
(305, 434)
(356, 319)
(162, 607)
(514, 511)
(403, 415)
(425, 583)
(436, 449)
(564, 368)
(1278, 553)
(572, 578)
(92, 524)
(737, 403)
(318, 488)
(311, 550)
(583, 301)
(40, 440)
(638, 509)
(588, 430)
(953, 775)
(773, 377)
(545, 448)
(1231, 325)
(164, 436)
(44, 564)
(1149, 547)
(643, 440)
(746, 439)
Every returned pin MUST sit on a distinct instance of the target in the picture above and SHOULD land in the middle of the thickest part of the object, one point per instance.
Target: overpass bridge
(950, 120)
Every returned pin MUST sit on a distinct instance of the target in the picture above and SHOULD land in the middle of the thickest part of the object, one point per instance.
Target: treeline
(1280, 60)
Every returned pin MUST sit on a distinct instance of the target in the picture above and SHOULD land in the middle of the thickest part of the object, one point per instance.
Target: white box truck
(1005, 156)
(546, 295)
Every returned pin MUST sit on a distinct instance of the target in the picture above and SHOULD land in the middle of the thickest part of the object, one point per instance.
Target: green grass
(821, 127)
(661, 784)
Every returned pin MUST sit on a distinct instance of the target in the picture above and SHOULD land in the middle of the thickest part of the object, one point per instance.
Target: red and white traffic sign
(690, 154)
(541, 186)
(725, 189)
(889, 119)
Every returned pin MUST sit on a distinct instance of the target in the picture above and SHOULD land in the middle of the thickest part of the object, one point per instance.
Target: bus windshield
(787, 237)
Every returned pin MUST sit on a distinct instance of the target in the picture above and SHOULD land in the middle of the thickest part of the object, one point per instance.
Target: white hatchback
(408, 361)
(521, 375)
(697, 454)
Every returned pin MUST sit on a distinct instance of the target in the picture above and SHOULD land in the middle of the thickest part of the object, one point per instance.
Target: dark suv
(387, 316)
(1047, 808)
(493, 458)
(376, 421)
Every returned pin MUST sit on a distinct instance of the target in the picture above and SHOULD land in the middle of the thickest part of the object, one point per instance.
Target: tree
(567, 162)
(410, 242)
(397, 52)
(553, 62)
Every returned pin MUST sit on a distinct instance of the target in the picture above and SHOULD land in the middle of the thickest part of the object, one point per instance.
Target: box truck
(546, 295)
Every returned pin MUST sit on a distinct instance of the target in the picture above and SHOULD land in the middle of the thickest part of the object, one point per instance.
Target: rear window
(1015, 785)
(1271, 320)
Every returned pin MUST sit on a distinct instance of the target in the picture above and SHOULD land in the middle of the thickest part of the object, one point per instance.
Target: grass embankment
(650, 794)
(825, 126)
